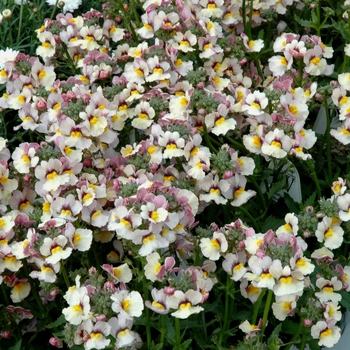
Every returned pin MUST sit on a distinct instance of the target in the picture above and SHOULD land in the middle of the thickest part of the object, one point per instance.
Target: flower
(184, 303)
(7, 55)
(69, 5)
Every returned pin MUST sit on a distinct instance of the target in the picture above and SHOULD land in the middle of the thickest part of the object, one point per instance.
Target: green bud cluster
(55, 29)
(101, 302)
(311, 311)
(329, 208)
(42, 92)
(128, 190)
(74, 109)
(222, 162)
(47, 153)
(283, 253)
(235, 237)
(197, 76)
(185, 184)
(82, 272)
(168, 9)
(159, 105)
(182, 282)
(140, 162)
(181, 129)
(201, 101)
(159, 52)
(68, 334)
(110, 92)
(24, 67)
(251, 343)
(238, 52)
(307, 222)
(204, 232)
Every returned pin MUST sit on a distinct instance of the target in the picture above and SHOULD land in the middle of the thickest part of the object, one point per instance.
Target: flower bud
(56, 342)
(307, 323)
(7, 13)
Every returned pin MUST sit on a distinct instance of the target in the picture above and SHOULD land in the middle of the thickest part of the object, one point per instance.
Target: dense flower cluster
(151, 126)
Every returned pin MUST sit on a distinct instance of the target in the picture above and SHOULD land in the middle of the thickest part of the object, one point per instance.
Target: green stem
(6, 297)
(33, 288)
(20, 22)
(295, 336)
(258, 67)
(64, 274)
(227, 308)
(236, 145)
(259, 191)
(177, 333)
(319, 26)
(54, 10)
(266, 310)
(328, 137)
(127, 19)
(313, 174)
(162, 329)
(244, 17)
(246, 213)
(303, 339)
(147, 315)
(69, 58)
(257, 306)
(207, 139)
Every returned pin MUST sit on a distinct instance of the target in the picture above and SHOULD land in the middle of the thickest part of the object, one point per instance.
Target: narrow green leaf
(57, 323)
(17, 346)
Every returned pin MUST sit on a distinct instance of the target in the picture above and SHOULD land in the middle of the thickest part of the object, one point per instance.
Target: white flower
(211, 248)
(69, 5)
(128, 304)
(20, 291)
(184, 302)
(327, 333)
(7, 55)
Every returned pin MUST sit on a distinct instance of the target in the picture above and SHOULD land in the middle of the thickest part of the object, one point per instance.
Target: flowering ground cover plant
(146, 189)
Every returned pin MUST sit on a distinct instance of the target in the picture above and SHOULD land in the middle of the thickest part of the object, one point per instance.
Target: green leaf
(345, 300)
(310, 200)
(275, 188)
(57, 323)
(261, 34)
(157, 347)
(17, 346)
(290, 203)
(302, 22)
(272, 223)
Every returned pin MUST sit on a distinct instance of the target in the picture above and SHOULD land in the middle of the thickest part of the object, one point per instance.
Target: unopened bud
(7, 14)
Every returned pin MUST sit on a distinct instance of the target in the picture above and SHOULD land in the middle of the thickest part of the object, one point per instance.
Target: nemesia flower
(248, 328)
(159, 303)
(121, 330)
(129, 304)
(212, 248)
(79, 306)
(184, 303)
(330, 234)
(327, 333)
(328, 289)
(48, 272)
(234, 265)
(96, 334)
(20, 291)
(284, 306)
(54, 249)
